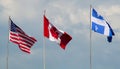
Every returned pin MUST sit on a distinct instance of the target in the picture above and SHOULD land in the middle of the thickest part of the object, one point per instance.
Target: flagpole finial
(44, 12)
(90, 5)
(9, 17)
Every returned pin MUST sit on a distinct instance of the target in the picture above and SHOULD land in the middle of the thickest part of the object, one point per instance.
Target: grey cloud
(71, 16)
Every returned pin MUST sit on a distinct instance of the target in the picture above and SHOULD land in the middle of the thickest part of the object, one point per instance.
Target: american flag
(18, 36)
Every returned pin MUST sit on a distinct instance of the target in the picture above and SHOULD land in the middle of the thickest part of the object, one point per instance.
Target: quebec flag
(100, 25)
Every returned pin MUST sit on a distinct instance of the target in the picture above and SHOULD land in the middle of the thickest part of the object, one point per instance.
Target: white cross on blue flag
(100, 25)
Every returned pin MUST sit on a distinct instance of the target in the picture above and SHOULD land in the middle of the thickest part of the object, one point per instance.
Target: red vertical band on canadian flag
(54, 34)
(46, 24)
(65, 38)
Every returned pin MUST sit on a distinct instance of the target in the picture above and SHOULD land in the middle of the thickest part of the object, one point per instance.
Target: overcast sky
(71, 16)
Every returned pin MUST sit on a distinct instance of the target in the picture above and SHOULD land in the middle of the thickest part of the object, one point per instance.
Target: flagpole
(90, 40)
(7, 57)
(44, 47)
(44, 54)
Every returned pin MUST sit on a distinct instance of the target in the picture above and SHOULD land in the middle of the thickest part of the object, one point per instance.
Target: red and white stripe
(24, 41)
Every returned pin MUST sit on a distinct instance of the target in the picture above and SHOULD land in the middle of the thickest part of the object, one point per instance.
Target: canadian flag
(54, 34)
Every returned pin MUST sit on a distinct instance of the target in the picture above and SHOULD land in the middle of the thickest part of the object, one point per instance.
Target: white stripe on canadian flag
(54, 34)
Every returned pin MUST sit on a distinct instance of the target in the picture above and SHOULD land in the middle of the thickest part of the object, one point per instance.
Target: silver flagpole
(7, 57)
(44, 47)
(44, 54)
(90, 40)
